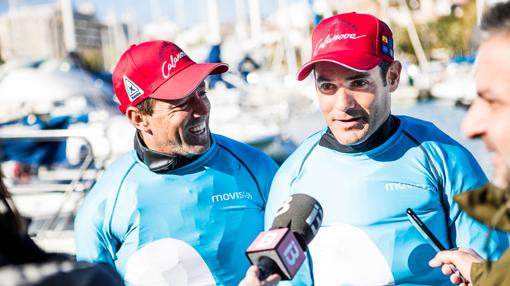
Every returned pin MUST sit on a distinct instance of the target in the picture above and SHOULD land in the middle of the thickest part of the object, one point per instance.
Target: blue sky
(185, 12)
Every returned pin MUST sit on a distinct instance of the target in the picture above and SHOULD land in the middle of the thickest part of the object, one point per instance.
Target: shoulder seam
(115, 203)
(427, 155)
(248, 169)
(308, 153)
(436, 174)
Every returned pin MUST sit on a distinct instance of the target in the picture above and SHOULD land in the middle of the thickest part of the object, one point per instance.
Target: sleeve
(261, 167)
(492, 273)
(462, 173)
(280, 191)
(92, 244)
(270, 170)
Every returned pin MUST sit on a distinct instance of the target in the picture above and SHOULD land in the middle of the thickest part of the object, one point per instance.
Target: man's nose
(474, 123)
(200, 105)
(343, 99)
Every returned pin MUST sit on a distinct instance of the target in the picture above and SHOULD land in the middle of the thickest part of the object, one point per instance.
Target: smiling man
(183, 206)
(488, 119)
(368, 166)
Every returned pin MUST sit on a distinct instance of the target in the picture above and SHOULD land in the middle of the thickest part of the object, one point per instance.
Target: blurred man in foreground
(368, 166)
(183, 206)
(489, 119)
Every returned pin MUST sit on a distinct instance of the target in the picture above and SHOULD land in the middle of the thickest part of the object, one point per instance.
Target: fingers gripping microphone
(281, 249)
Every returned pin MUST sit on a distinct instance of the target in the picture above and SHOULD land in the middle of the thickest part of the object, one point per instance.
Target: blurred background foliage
(453, 33)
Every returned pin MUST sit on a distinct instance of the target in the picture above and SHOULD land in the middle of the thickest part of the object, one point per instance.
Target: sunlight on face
(488, 117)
(354, 104)
(181, 127)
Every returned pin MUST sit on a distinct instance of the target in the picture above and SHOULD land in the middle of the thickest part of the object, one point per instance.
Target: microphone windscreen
(302, 214)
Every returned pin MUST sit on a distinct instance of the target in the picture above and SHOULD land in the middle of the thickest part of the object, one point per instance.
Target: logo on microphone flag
(282, 247)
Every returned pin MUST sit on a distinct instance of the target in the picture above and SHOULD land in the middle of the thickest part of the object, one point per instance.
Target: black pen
(430, 237)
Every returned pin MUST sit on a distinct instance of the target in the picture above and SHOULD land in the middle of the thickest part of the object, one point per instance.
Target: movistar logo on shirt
(231, 196)
(403, 186)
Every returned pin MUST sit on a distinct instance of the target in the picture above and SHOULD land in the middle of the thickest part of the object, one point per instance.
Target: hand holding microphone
(281, 249)
(252, 279)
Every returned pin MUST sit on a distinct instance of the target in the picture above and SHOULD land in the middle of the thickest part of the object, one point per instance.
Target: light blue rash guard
(366, 237)
(200, 217)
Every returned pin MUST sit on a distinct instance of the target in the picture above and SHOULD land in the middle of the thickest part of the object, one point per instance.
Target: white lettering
(231, 196)
(166, 68)
(216, 198)
(391, 186)
(404, 186)
(315, 218)
(291, 253)
(330, 38)
(284, 207)
(266, 240)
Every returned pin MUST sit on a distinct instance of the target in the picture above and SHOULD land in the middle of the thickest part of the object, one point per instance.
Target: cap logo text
(166, 68)
(330, 38)
(132, 90)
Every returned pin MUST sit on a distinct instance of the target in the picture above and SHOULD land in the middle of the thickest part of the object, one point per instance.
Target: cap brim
(353, 60)
(183, 83)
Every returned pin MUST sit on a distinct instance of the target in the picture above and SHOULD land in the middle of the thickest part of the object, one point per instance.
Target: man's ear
(137, 119)
(393, 75)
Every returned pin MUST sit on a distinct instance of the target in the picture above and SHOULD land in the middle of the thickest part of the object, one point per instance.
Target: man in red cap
(183, 206)
(368, 166)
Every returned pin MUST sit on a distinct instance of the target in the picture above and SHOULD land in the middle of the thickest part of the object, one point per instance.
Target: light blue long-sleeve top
(366, 237)
(190, 226)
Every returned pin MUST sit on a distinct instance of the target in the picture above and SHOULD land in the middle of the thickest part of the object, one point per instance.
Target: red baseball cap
(158, 69)
(356, 41)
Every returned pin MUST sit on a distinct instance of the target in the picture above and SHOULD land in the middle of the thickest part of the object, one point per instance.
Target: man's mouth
(350, 122)
(353, 119)
(197, 129)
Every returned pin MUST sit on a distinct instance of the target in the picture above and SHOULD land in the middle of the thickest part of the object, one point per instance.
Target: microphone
(281, 249)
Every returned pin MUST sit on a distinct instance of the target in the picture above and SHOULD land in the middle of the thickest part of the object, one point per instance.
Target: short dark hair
(145, 107)
(385, 66)
(497, 19)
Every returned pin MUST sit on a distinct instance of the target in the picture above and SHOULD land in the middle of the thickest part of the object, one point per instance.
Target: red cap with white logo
(158, 69)
(356, 41)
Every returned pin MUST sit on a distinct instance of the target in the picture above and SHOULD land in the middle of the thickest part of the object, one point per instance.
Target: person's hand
(251, 278)
(461, 258)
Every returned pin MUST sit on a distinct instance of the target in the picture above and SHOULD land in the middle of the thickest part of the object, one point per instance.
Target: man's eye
(203, 94)
(494, 104)
(182, 105)
(359, 83)
(326, 86)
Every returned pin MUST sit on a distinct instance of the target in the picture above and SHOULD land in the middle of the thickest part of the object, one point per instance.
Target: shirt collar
(157, 161)
(381, 135)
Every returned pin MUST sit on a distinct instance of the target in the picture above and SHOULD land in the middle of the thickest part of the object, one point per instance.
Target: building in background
(36, 26)
(53, 30)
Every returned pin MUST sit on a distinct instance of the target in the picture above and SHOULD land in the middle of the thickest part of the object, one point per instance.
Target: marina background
(55, 81)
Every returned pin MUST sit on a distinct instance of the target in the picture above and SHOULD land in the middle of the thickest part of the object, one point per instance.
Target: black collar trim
(381, 135)
(159, 162)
